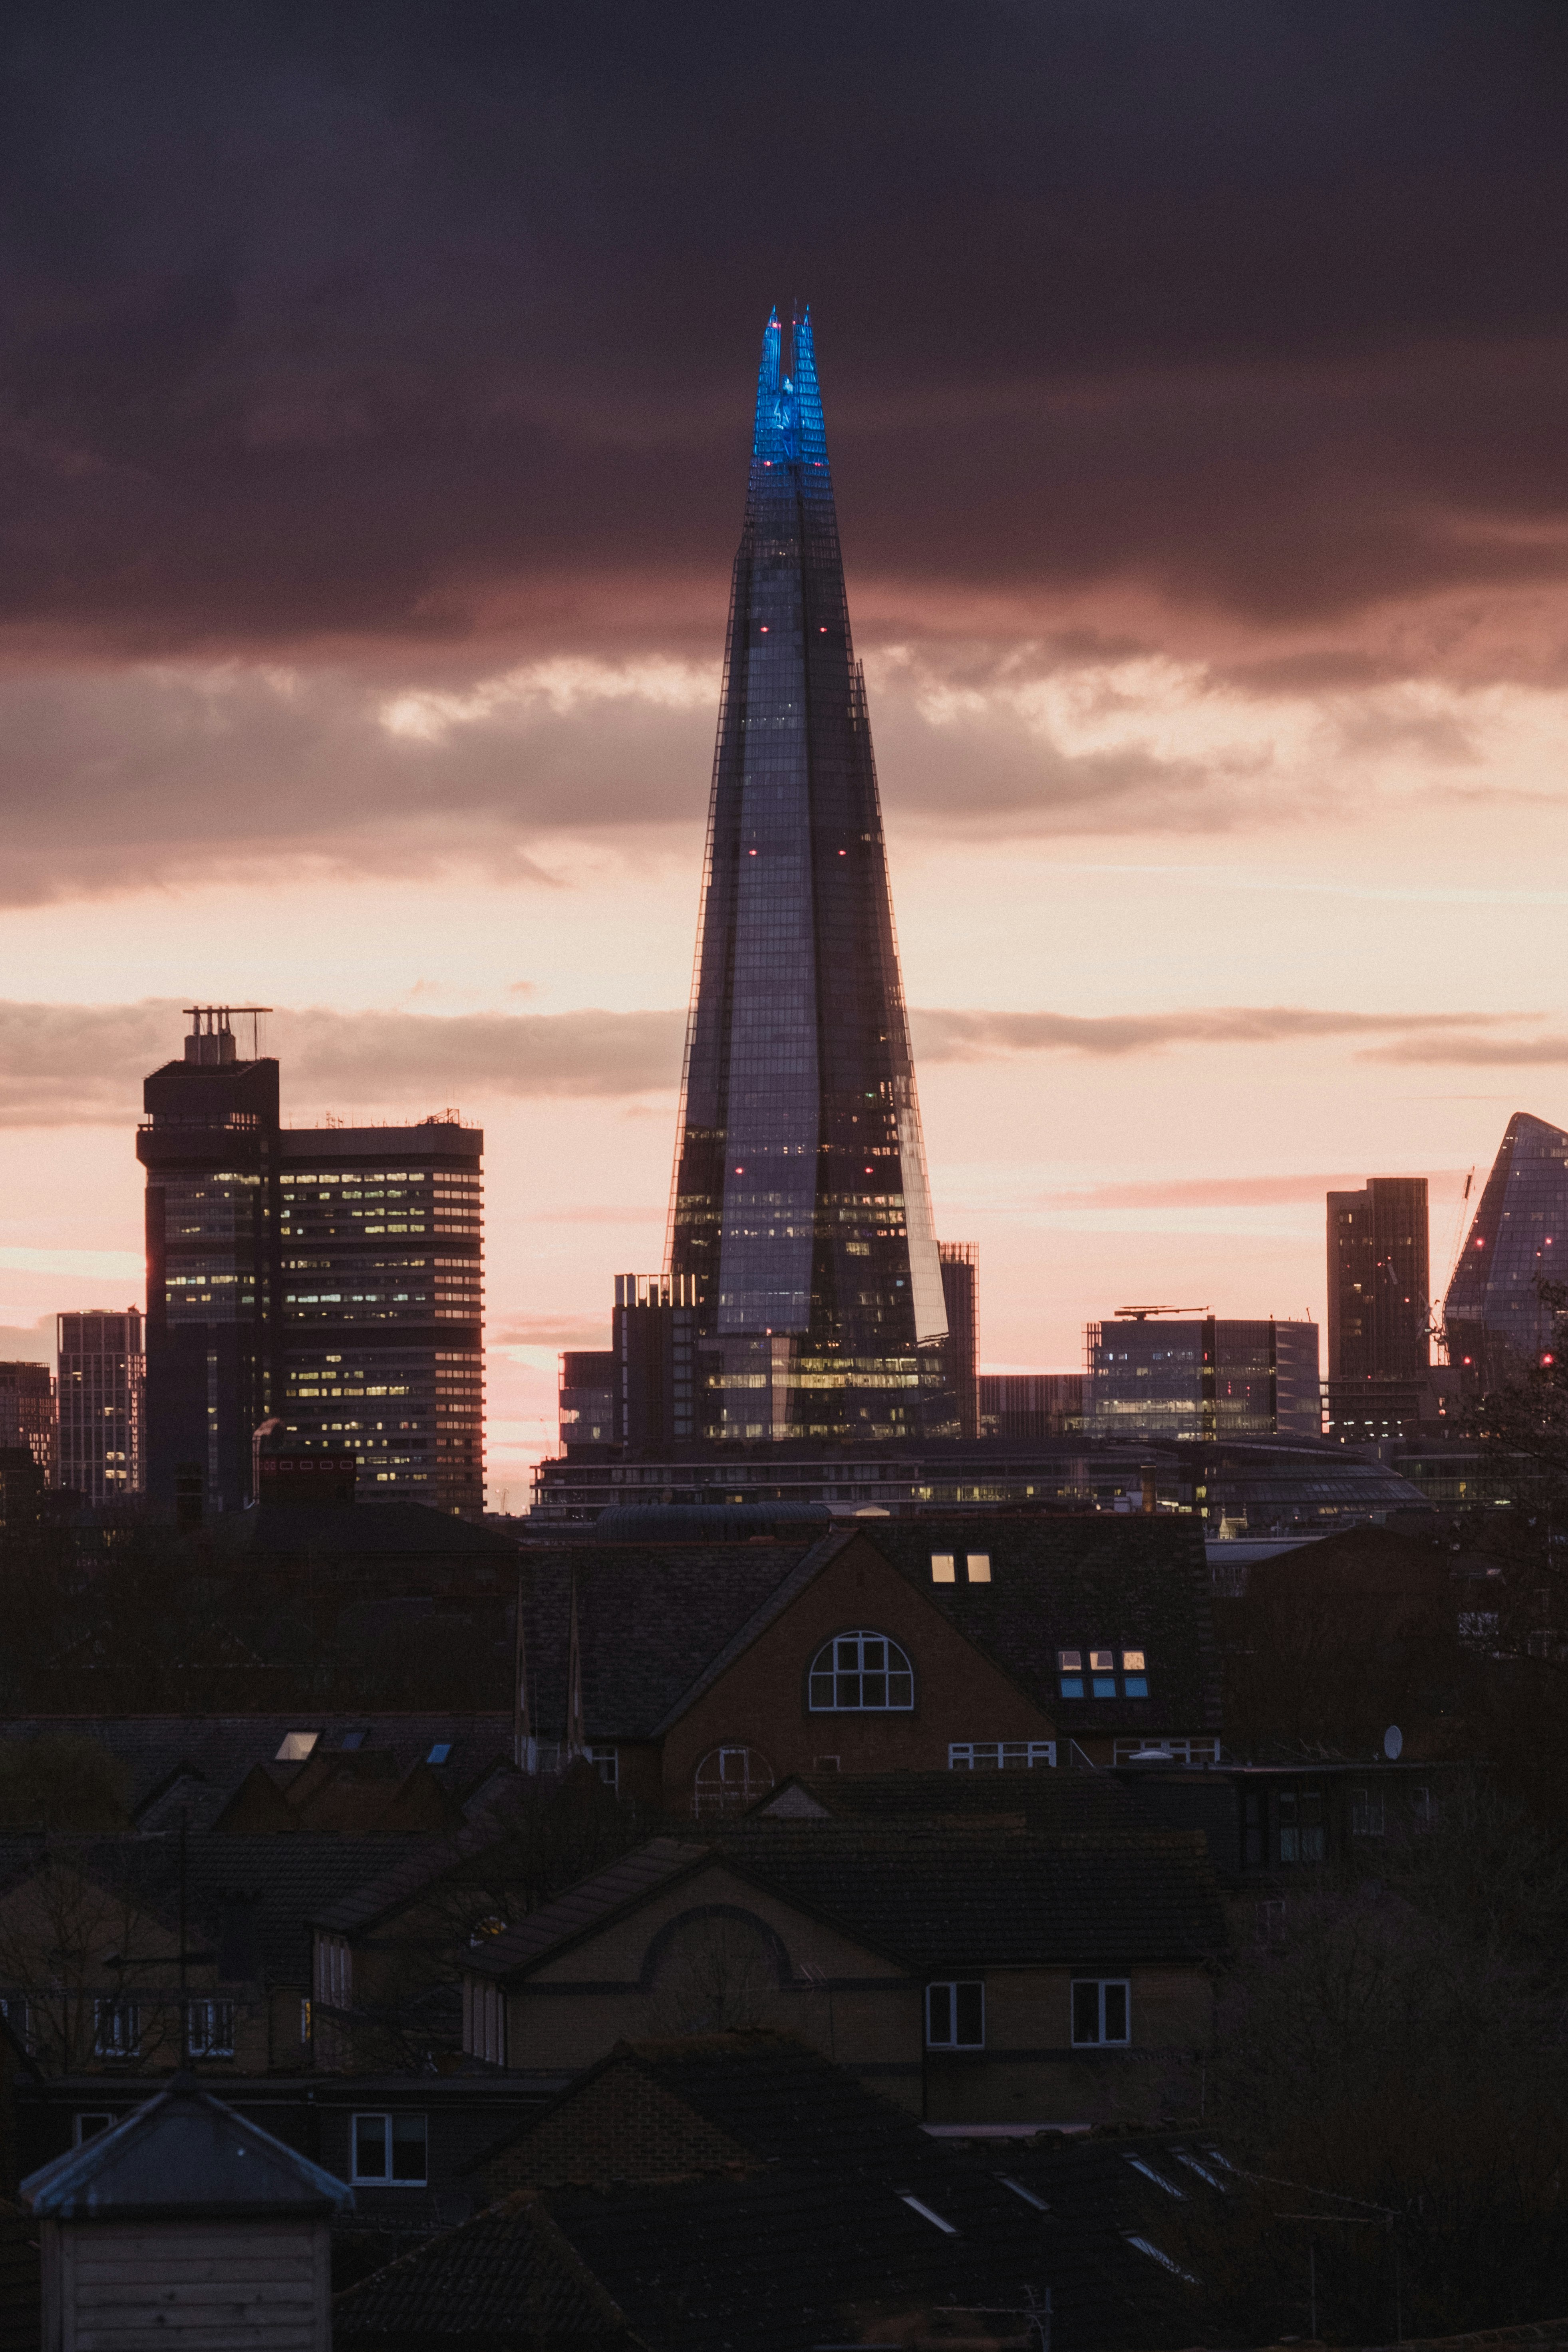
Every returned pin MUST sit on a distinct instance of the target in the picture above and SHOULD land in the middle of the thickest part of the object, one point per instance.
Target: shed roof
(182, 2154)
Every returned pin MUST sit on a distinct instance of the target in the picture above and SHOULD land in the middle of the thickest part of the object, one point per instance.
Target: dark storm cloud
(414, 319)
(72, 1064)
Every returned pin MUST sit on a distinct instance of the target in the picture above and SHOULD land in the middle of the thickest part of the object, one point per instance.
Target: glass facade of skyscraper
(801, 1208)
(1214, 1376)
(1496, 1323)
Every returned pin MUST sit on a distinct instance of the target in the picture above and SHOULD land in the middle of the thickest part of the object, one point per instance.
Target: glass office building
(800, 1206)
(1497, 1326)
(1214, 1376)
(102, 1384)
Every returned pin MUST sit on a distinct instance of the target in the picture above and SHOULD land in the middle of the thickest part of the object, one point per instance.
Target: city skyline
(1203, 502)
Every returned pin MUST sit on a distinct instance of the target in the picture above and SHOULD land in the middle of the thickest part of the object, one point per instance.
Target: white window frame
(334, 1971)
(999, 1755)
(1182, 1751)
(833, 1671)
(1102, 2041)
(116, 2027)
(725, 1794)
(952, 1986)
(607, 1763)
(101, 2119)
(215, 2037)
(387, 2117)
(1368, 1813)
(484, 2020)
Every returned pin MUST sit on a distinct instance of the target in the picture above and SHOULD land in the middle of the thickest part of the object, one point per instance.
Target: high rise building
(1031, 1406)
(102, 1383)
(961, 1300)
(27, 1414)
(655, 1352)
(382, 1241)
(210, 1144)
(800, 1207)
(1497, 1325)
(1379, 1281)
(320, 1288)
(589, 1377)
(1212, 1376)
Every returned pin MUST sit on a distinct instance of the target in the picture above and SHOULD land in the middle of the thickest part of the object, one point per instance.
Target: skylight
(949, 2228)
(297, 1745)
(1027, 2195)
(1159, 2180)
(1155, 2255)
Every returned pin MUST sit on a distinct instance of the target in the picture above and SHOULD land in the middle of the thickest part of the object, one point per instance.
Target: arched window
(730, 1778)
(855, 1673)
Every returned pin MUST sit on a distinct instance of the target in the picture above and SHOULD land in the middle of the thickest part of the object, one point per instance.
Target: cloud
(550, 1331)
(1469, 1051)
(31, 1343)
(962, 1037)
(1227, 1192)
(63, 1064)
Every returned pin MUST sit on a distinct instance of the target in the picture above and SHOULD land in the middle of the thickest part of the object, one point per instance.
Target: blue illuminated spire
(801, 1204)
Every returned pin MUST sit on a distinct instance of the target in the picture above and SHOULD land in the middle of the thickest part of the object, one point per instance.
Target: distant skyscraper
(800, 1204)
(1379, 1281)
(327, 1281)
(27, 1414)
(1496, 1323)
(1029, 1407)
(959, 1293)
(1214, 1376)
(382, 1237)
(210, 1144)
(102, 1381)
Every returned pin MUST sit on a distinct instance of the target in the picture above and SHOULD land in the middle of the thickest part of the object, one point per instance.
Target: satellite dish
(1393, 1741)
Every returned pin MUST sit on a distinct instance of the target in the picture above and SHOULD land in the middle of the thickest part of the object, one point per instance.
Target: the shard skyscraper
(801, 1215)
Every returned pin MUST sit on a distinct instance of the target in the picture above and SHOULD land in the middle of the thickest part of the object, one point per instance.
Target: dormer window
(1069, 1667)
(1134, 1677)
(942, 1568)
(1103, 1673)
(979, 1565)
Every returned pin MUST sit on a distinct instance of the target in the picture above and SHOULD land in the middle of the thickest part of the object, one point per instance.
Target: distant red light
(1548, 1359)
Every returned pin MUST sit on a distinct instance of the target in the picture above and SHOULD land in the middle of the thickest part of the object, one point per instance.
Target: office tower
(655, 1351)
(1497, 1326)
(587, 1401)
(801, 1208)
(102, 1380)
(1204, 1377)
(1379, 1281)
(27, 1415)
(1030, 1406)
(381, 1234)
(209, 1142)
(961, 1359)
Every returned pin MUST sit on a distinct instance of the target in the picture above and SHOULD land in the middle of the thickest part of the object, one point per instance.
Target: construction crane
(1142, 1314)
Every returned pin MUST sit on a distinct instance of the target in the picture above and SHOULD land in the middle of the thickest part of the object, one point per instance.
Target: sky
(376, 391)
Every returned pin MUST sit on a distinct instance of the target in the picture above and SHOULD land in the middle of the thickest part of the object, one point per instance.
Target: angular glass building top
(1496, 1323)
(800, 1202)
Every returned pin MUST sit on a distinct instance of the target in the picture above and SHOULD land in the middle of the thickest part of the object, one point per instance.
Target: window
(391, 2149)
(484, 2020)
(1027, 2195)
(334, 1971)
(296, 1747)
(18, 2015)
(1302, 1825)
(999, 1755)
(1423, 1810)
(1366, 1812)
(440, 1753)
(1101, 2010)
(354, 1741)
(927, 2213)
(1140, 2164)
(730, 1778)
(209, 2028)
(824, 1763)
(979, 1565)
(607, 1763)
(1174, 1751)
(1182, 2156)
(1134, 1675)
(1069, 1665)
(956, 2017)
(942, 1569)
(89, 2125)
(861, 1674)
(116, 2029)
(1103, 1673)
(1147, 2246)
(304, 2021)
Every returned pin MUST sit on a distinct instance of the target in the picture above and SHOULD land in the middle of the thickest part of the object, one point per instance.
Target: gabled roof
(507, 2277)
(934, 1898)
(183, 2154)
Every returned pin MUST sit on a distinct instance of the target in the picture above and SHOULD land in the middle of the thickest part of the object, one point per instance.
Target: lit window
(979, 1568)
(861, 1673)
(1101, 2010)
(1101, 1661)
(209, 2028)
(942, 1568)
(1069, 1663)
(391, 2150)
(730, 1778)
(297, 1745)
(1131, 1661)
(955, 2016)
